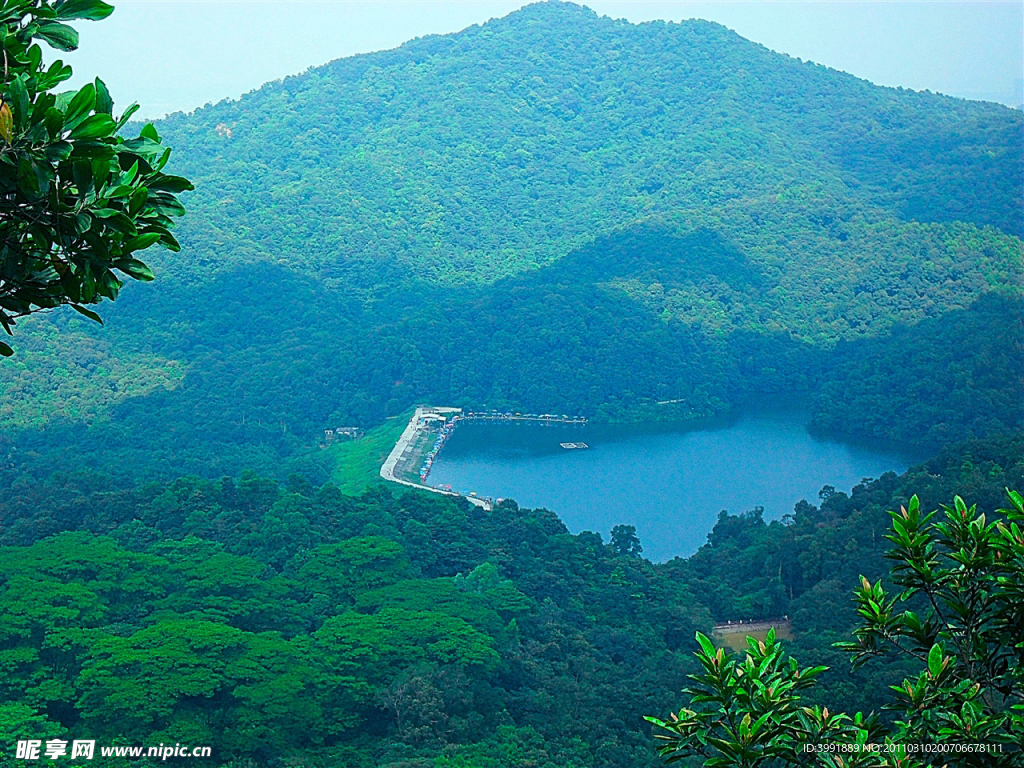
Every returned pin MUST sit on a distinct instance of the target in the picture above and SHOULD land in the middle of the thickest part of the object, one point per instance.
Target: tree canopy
(77, 200)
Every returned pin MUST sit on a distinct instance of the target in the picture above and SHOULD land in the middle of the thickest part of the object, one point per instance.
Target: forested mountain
(552, 211)
(475, 156)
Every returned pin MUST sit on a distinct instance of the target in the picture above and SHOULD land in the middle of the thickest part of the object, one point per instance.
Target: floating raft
(572, 446)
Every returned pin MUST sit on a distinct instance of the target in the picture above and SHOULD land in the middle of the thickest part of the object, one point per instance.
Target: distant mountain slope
(474, 156)
(552, 211)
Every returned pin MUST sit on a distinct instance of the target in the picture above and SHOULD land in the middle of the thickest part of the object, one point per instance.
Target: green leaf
(54, 121)
(5, 350)
(935, 660)
(44, 101)
(93, 127)
(92, 149)
(162, 160)
(141, 242)
(706, 644)
(759, 723)
(59, 152)
(82, 175)
(83, 222)
(104, 103)
(33, 178)
(59, 36)
(80, 104)
(100, 171)
(93, 10)
(56, 74)
(167, 241)
(121, 121)
(161, 202)
(18, 93)
(173, 184)
(137, 200)
(149, 132)
(121, 223)
(812, 672)
(136, 269)
(87, 312)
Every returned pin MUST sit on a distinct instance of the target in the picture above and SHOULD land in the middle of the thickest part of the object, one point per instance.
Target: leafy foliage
(748, 713)
(969, 572)
(77, 200)
(967, 575)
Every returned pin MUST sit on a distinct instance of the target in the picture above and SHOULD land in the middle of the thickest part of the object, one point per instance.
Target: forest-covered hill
(552, 211)
(469, 157)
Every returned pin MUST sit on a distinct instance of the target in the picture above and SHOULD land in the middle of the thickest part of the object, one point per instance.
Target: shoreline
(417, 427)
(409, 449)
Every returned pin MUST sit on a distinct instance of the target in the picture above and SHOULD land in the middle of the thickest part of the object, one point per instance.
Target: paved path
(387, 470)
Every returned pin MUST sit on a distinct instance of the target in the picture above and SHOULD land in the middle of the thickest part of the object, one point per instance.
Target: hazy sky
(172, 55)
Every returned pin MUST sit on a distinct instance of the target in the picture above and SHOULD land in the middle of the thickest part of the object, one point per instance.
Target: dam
(412, 458)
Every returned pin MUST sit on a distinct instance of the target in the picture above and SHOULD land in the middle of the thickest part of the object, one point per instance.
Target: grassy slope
(357, 463)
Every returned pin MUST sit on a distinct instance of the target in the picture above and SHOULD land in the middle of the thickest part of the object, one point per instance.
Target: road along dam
(403, 461)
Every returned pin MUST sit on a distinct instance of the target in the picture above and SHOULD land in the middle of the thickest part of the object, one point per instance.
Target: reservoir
(668, 481)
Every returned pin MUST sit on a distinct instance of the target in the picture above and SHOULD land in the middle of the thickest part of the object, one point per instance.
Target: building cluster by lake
(448, 425)
(549, 418)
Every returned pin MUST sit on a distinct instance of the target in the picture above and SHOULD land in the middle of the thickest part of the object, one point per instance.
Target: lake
(667, 480)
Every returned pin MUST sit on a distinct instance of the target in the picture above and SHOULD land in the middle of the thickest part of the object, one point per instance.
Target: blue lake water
(668, 481)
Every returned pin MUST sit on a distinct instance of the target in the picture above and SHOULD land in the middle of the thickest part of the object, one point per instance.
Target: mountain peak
(554, 9)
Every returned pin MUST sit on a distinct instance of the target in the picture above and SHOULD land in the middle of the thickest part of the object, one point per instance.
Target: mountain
(471, 157)
(553, 211)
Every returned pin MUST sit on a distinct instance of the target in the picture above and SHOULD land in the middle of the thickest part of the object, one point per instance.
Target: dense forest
(554, 211)
(284, 621)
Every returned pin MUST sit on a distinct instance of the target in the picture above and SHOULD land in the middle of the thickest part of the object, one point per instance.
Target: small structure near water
(339, 433)
(543, 418)
(422, 423)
